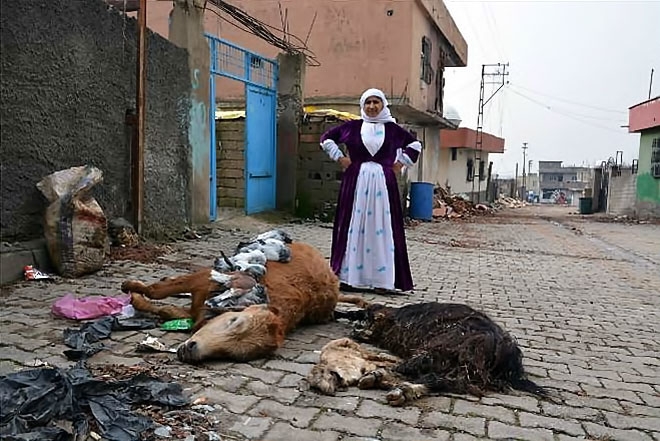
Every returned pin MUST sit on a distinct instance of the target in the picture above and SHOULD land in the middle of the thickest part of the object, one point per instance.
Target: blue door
(260, 145)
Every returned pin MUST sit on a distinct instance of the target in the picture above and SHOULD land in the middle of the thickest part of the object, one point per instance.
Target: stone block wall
(230, 162)
(318, 177)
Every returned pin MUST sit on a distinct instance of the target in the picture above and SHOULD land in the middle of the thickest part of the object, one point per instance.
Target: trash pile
(62, 404)
(454, 207)
(509, 202)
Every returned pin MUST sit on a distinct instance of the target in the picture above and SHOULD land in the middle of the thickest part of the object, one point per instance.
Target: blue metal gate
(259, 74)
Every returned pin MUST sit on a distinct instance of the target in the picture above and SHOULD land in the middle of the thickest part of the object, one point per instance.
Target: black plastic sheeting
(32, 401)
(85, 341)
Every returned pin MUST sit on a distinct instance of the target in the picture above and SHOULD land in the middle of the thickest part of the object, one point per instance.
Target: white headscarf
(372, 131)
(384, 116)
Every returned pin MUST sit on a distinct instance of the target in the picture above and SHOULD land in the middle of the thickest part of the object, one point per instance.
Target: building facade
(560, 184)
(644, 118)
(458, 169)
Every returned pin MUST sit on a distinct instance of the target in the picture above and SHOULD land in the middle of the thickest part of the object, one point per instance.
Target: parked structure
(457, 171)
(644, 118)
(559, 184)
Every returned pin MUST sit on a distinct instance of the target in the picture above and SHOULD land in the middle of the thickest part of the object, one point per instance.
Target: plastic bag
(31, 401)
(84, 342)
(76, 228)
(89, 307)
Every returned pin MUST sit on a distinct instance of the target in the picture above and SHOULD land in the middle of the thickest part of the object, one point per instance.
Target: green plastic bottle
(178, 325)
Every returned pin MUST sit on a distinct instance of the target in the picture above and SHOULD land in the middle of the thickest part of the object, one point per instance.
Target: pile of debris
(508, 202)
(454, 207)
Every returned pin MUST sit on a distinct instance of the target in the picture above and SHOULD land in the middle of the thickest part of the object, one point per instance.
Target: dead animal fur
(445, 347)
(302, 291)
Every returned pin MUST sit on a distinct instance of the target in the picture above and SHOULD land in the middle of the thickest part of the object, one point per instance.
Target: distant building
(559, 184)
(459, 169)
(644, 118)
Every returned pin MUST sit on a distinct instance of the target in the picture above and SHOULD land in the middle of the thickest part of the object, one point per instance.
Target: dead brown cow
(302, 291)
(445, 347)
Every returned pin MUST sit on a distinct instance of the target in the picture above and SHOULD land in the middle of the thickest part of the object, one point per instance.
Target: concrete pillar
(187, 31)
(289, 117)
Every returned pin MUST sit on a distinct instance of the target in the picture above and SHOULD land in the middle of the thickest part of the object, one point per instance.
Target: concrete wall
(648, 187)
(621, 194)
(230, 159)
(68, 77)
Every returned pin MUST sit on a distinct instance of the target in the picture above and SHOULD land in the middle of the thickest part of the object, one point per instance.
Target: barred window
(655, 158)
(426, 72)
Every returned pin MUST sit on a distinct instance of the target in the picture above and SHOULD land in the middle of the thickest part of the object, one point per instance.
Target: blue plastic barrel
(421, 201)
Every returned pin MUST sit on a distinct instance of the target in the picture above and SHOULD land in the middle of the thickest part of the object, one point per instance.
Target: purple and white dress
(368, 238)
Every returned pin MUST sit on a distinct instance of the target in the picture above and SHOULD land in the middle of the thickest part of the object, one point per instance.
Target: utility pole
(651, 83)
(529, 167)
(496, 74)
(515, 184)
(524, 181)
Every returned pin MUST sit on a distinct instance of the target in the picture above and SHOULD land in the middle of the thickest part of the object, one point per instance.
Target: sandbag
(76, 228)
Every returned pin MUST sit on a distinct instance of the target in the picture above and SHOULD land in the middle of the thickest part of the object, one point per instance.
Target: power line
(252, 25)
(576, 114)
(567, 101)
(493, 29)
(545, 106)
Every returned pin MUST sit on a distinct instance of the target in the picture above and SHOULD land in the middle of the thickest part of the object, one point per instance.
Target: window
(470, 170)
(655, 158)
(482, 170)
(439, 84)
(454, 153)
(426, 72)
(256, 62)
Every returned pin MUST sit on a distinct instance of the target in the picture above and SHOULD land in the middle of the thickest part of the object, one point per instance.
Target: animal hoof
(132, 286)
(404, 393)
(396, 397)
(370, 380)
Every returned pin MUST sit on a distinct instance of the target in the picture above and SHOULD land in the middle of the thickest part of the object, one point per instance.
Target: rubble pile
(508, 202)
(454, 207)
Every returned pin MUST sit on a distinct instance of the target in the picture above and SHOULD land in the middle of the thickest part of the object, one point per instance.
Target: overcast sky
(586, 60)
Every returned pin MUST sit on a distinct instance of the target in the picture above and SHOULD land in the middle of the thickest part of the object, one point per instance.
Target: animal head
(280, 235)
(250, 256)
(273, 249)
(241, 336)
(373, 321)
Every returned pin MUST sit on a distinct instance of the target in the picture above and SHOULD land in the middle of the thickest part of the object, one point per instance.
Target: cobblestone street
(582, 298)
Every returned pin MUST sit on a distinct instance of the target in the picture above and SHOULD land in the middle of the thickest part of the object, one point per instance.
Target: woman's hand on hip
(344, 162)
(397, 167)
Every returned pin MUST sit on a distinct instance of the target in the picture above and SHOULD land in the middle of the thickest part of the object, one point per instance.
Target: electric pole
(524, 180)
(496, 74)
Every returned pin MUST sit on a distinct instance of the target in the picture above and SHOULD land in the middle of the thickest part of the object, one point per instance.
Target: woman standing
(368, 238)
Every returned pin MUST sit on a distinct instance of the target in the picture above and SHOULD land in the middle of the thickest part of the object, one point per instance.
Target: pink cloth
(89, 307)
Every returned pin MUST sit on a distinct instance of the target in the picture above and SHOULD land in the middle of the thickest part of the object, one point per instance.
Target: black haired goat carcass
(444, 347)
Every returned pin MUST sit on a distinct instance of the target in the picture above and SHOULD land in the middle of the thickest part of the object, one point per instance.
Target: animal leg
(404, 393)
(354, 300)
(166, 312)
(199, 284)
(377, 379)
(171, 285)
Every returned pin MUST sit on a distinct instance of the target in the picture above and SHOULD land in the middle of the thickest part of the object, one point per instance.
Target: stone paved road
(582, 298)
